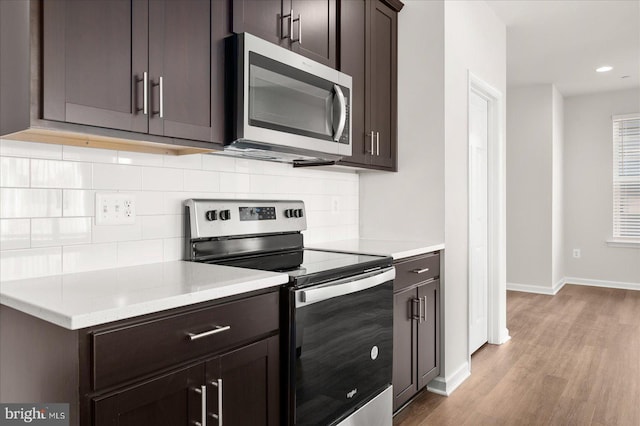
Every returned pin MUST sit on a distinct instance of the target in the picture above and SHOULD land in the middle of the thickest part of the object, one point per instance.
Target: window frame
(619, 238)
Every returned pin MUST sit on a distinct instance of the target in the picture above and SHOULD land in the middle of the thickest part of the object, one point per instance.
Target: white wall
(408, 205)
(557, 184)
(588, 188)
(47, 197)
(530, 169)
(475, 41)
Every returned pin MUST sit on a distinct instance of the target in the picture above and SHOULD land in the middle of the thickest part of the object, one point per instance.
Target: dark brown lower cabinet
(416, 327)
(195, 364)
(168, 400)
(244, 380)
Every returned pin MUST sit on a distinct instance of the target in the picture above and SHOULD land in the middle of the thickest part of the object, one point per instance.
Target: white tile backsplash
(117, 177)
(78, 202)
(30, 263)
(47, 198)
(14, 172)
(13, 148)
(60, 174)
(27, 202)
(201, 180)
(112, 233)
(89, 257)
(162, 179)
(15, 234)
(48, 232)
(140, 252)
(164, 226)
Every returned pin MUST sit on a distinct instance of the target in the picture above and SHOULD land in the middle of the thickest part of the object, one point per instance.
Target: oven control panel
(218, 218)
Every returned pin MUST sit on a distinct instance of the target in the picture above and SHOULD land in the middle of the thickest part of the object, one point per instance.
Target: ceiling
(564, 41)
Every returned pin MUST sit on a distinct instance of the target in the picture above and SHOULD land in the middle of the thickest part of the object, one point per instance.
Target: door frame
(497, 332)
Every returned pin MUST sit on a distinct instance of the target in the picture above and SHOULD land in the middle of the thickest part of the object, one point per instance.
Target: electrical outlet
(576, 253)
(115, 208)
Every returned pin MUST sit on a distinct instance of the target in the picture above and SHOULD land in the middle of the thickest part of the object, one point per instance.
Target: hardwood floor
(573, 359)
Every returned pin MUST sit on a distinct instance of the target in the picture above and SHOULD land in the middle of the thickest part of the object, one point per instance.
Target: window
(626, 177)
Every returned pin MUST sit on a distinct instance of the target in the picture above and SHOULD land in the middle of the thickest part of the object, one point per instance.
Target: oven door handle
(341, 288)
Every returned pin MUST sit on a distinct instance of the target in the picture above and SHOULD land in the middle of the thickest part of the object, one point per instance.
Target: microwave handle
(343, 112)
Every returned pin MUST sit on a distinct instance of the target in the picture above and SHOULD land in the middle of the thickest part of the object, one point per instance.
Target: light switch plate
(115, 208)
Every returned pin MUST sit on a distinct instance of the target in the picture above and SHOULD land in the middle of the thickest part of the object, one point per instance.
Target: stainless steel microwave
(283, 106)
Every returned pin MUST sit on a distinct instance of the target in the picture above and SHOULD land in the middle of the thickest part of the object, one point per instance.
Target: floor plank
(573, 359)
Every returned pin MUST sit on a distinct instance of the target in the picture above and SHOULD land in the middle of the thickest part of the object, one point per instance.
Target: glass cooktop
(310, 263)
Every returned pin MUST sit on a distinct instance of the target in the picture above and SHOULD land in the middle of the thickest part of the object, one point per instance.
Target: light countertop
(80, 300)
(395, 249)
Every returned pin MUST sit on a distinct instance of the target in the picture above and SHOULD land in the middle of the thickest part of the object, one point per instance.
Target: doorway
(487, 216)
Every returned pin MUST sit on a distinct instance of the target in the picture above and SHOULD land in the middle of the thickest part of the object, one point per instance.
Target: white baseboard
(602, 283)
(528, 288)
(445, 386)
(572, 280)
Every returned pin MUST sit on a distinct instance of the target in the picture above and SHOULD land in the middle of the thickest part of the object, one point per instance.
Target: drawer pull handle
(218, 329)
(420, 271)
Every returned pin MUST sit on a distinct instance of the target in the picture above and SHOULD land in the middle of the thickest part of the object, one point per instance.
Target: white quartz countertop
(85, 299)
(395, 249)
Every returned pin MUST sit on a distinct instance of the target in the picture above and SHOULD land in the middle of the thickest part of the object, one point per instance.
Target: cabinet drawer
(416, 269)
(131, 351)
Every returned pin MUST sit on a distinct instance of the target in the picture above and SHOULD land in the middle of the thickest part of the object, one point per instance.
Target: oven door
(342, 346)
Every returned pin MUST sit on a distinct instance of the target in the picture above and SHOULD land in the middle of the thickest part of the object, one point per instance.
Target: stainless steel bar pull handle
(420, 310)
(218, 384)
(378, 143)
(203, 398)
(161, 97)
(425, 308)
(291, 21)
(420, 271)
(145, 93)
(372, 135)
(415, 316)
(218, 329)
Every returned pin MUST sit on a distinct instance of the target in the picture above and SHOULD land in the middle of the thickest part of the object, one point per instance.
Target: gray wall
(529, 185)
(588, 188)
(409, 205)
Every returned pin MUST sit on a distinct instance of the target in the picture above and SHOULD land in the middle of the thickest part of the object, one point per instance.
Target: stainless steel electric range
(337, 309)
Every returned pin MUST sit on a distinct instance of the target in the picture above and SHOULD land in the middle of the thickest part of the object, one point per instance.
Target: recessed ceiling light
(604, 68)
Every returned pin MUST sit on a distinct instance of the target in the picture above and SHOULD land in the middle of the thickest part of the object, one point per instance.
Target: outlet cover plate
(115, 208)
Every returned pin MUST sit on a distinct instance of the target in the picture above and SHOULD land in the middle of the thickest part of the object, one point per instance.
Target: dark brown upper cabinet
(307, 27)
(135, 65)
(368, 52)
(136, 75)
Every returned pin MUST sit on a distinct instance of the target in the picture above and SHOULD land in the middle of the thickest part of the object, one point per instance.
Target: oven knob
(288, 213)
(211, 215)
(225, 214)
(297, 213)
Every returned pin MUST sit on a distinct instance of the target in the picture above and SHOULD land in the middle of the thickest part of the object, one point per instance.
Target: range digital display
(257, 213)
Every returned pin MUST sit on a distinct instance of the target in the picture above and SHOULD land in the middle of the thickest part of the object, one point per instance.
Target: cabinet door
(95, 54)
(180, 49)
(428, 334)
(404, 346)
(315, 31)
(353, 27)
(171, 400)
(262, 18)
(248, 384)
(382, 73)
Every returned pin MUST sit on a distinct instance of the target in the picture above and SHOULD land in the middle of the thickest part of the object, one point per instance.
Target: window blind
(626, 177)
